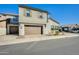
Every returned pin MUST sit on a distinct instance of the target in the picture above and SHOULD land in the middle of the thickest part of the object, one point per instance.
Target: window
(41, 15)
(14, 20)
(52, 27)
(28, 13)
(56, 27)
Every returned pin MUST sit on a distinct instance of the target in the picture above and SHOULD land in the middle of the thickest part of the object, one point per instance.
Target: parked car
(75, 30)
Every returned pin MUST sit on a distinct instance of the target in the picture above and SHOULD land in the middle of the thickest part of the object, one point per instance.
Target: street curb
(31, 40)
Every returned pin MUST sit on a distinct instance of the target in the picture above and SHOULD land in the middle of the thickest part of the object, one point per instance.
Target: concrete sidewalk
(10, 39)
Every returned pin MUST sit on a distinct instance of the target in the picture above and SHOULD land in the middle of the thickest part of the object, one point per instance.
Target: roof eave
(37, 9)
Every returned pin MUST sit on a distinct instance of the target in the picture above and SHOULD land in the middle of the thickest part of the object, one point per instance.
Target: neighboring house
(52, 25)
(32, 20)
(70, 27)
(8, 23)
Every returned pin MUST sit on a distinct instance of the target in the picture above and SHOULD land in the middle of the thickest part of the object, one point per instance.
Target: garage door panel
(32, 30)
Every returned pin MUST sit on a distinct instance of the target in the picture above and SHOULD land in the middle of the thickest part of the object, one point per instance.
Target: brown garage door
(30, 30)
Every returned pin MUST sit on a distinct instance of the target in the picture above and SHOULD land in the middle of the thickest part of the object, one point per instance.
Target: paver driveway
(65, 46)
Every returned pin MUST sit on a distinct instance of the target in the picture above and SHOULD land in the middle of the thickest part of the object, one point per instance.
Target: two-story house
(32, 21)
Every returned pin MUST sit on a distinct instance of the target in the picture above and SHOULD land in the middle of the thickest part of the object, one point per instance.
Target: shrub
(55, 32)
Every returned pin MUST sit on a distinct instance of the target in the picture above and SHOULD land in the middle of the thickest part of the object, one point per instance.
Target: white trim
(21, 29)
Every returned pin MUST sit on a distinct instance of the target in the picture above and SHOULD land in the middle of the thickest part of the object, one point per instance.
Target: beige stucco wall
(2, 31)
(3, 28)
(51, 22)
(2, 24)
(2, 17)
(34, 18)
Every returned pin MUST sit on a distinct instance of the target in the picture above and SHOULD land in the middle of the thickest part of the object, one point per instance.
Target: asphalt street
(65, 46)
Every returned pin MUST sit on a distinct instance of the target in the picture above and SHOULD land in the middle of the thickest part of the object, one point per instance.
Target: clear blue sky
(63, 13)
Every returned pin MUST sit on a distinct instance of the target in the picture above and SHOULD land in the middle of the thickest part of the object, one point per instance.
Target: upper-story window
(41, 15)
(28, 12)
(14, 20)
